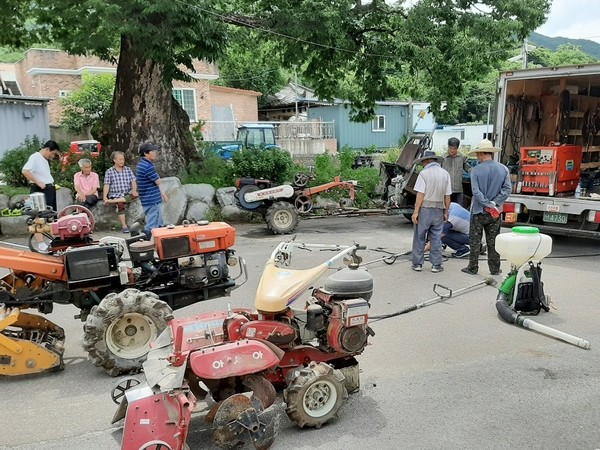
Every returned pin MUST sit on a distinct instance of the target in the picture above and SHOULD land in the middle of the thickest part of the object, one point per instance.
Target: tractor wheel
(315, 395)
(282, 218)
(118, 332)
(245, 190)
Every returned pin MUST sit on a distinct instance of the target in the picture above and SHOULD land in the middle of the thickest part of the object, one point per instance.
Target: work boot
(469, 271)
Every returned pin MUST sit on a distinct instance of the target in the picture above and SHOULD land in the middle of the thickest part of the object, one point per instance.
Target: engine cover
(193, 239)
(71, 226)
(348, 329)
(90, 263)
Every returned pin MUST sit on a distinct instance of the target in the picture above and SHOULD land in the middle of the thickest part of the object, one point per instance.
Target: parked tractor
(126, 288)
(282, 204)
(235, 359)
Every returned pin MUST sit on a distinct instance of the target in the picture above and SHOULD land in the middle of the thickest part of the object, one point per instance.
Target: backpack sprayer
(521, 293)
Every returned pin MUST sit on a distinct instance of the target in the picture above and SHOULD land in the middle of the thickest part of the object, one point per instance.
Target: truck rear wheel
(118, 332)
(282, 218)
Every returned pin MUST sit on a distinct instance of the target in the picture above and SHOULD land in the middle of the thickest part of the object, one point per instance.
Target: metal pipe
(440, 298)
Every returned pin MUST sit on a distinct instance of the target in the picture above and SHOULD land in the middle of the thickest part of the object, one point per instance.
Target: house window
(63, 94)
(378, 123)
(187, 100)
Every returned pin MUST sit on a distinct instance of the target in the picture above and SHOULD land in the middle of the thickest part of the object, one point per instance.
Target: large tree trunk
(144, 109)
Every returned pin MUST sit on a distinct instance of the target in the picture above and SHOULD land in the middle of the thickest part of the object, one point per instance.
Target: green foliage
(13, 161)
(329, 166)
(272, 164)
(253, 63)
(564, 55)
(10, 191)
(552, 43)
(211, 170)
(86, 107)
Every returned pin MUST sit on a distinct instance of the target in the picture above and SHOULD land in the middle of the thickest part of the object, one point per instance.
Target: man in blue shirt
(490, 182)
(148, 183)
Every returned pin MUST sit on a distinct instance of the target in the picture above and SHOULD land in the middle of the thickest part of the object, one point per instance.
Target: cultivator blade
(240, 419)
(29, 344)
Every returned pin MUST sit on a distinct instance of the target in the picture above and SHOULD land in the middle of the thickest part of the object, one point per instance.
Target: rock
(4, 201)
(13, 226)
(225, 196)
(19, 198)
(203, 192)
(64, 197)
(197, 210)
(232, 213)
(174, 209)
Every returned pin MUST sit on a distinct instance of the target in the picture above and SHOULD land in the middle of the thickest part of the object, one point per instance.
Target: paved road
(451, 375)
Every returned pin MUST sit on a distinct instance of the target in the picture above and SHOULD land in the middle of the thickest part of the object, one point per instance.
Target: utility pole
(524, 53)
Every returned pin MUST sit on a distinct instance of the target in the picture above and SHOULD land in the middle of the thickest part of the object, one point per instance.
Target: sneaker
(461, 254)
(436, 269)
(498, 272)
(482, 249)
(469, 271)
(125, 230)
(417, 267)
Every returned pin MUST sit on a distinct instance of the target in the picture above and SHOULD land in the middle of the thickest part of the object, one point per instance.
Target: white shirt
(434, 183)
(40, 168)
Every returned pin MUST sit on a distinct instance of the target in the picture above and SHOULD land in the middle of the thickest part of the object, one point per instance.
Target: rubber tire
(243, 203)
(307, 378)
(111, 309)
(282, 218)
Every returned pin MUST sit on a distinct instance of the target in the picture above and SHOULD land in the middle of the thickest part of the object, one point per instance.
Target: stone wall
(190, 202)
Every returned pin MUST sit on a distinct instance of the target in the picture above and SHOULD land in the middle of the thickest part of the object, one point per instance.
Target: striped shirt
(146, 182)
(459, 217)
(119, 182)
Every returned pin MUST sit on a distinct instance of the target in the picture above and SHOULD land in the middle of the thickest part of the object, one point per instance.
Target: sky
(579, 19)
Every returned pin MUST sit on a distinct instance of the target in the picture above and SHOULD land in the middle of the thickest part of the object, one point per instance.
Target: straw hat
(485, 146)
(428, 155)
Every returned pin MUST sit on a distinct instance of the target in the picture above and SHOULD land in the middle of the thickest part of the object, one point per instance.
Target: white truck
(548, 124)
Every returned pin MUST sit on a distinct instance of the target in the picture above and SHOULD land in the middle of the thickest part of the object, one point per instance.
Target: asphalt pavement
(452, 375)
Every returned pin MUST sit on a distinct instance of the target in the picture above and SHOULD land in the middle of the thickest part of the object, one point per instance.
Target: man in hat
(491, 186)
(37, 171)
(456, 163)
(148, 183)
(433, 189)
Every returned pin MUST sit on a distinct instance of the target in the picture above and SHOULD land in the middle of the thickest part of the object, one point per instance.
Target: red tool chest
(550, 170)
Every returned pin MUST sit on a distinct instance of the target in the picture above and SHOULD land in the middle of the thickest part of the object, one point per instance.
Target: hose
(512, 316)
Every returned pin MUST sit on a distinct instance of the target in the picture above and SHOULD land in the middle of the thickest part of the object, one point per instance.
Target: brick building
(52, 74)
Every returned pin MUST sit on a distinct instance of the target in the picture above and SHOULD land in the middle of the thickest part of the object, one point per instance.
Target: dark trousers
(90, 200)
(455, 239)
(481, 223)
(49, 193)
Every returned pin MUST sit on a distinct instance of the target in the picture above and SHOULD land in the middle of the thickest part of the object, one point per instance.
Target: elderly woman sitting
(87, 184)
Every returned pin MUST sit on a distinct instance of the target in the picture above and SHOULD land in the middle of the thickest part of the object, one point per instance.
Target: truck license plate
(555, 217)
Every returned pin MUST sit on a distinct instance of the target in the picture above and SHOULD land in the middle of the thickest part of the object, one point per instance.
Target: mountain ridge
(552, 43)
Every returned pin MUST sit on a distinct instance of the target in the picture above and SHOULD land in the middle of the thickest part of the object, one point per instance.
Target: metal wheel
(303, 204)
(118, 331)
(282, 218)
(124, 385)
(301, 179)
(245, 190)
(34, 245)
(315, 395)
(76, 209)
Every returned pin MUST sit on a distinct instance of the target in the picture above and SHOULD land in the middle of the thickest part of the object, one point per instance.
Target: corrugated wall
(361, 135)
(19, 120)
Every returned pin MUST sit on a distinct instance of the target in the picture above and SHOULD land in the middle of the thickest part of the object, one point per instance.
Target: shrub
(13, 161)
(211, 170)
(272, 164)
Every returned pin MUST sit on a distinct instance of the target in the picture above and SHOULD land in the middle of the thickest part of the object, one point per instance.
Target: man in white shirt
(37, 171)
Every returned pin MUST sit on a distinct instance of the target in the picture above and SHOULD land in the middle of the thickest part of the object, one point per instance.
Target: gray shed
(21, 117)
